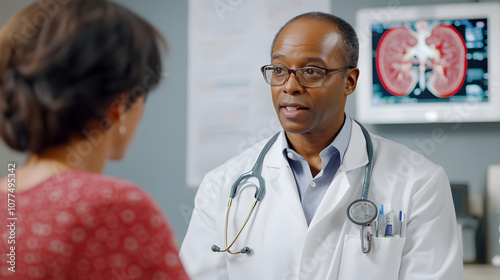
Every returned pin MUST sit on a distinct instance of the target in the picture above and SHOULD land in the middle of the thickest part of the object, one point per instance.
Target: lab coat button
(313, 184)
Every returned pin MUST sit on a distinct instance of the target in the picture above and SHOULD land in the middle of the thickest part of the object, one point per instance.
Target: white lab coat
(284, 247)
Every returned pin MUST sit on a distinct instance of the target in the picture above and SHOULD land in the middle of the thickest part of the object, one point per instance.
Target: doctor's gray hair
(349, 43)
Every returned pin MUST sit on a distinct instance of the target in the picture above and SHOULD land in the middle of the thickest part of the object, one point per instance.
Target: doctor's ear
(351, 80)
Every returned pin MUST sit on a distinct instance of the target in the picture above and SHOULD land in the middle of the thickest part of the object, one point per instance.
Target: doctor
(312, 173)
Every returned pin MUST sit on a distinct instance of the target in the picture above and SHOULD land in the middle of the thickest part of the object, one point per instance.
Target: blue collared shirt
(312, 190)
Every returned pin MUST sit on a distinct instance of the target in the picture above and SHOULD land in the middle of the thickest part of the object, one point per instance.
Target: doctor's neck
(311, 143)
(309, 146)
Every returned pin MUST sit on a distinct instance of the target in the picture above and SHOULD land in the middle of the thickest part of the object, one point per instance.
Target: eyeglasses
(309, 76)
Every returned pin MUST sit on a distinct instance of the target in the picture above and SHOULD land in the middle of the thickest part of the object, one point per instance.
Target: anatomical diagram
(429, 57)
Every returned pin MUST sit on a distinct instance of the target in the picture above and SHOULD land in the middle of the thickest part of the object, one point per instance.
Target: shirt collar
(341, 142)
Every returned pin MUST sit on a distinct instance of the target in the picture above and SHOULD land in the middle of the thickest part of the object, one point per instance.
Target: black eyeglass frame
(290, 71)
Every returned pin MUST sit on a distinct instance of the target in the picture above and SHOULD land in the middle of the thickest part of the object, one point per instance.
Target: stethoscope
(361, 211)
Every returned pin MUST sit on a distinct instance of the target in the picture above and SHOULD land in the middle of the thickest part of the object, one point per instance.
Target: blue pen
(381, 221)
(400, 223)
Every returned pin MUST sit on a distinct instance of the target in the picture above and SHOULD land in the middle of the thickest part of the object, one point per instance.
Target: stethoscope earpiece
(245, 250)
(215, 248)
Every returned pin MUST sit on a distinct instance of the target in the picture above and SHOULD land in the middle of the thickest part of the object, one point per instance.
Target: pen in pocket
(402, 224)
(381, 222)
(389, 218)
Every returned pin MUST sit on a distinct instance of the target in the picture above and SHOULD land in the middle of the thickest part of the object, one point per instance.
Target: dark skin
(311, 117)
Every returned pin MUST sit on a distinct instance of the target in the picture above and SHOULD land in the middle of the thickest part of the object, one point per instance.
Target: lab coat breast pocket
(382, 262)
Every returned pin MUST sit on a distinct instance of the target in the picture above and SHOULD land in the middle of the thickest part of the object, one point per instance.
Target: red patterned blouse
(81, 225)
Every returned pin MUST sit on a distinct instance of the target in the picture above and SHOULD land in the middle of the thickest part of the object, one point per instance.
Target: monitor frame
(427, 112)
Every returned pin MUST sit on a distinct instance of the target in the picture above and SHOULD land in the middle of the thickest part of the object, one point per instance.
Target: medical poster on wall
(229, 104)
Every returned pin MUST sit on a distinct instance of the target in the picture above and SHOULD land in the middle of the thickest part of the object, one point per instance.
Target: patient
(72, 88)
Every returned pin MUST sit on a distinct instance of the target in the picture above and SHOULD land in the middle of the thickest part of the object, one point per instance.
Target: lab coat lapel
(355, 157)
(282, 182)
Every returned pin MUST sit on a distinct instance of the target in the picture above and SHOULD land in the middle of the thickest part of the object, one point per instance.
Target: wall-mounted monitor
(438, 63)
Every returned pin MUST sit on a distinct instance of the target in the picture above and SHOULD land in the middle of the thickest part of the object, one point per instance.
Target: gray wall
(156, 159)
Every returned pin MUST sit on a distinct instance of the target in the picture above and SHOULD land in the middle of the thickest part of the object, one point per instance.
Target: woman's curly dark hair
(63, 64)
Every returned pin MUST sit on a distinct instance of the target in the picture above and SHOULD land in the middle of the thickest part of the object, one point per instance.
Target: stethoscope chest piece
(362, 212)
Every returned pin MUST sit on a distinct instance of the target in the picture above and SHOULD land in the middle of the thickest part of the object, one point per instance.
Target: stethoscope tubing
(259, 194)
(369, 165)
(255, 172)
